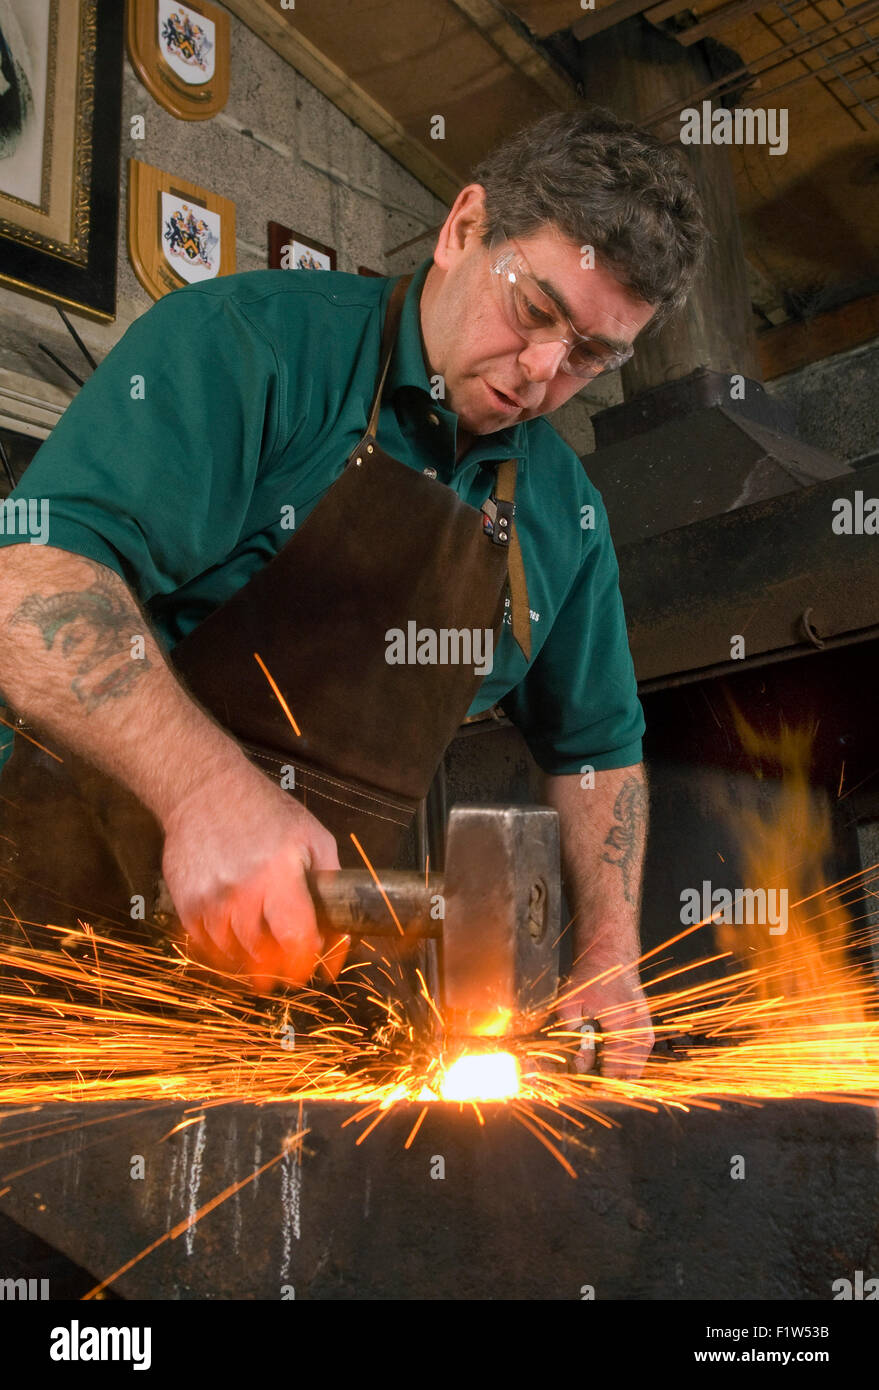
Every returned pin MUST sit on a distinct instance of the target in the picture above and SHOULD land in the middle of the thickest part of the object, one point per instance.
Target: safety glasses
(536, 316)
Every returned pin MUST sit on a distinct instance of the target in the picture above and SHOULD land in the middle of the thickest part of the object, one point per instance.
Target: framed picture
(288, 250)
(180, 52)
(178, 233)
(60, 102)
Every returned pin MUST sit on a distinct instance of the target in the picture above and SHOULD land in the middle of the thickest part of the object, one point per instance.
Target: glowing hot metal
(482, 1076)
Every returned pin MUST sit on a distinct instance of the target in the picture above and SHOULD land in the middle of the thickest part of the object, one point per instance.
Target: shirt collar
(409, 368)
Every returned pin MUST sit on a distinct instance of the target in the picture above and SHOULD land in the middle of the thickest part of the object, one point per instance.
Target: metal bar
(828, 62)
(865, 11)
(7, 466)
(804, 76)
(58, 363)
(729, 668)
(772, 30)
(76, 338)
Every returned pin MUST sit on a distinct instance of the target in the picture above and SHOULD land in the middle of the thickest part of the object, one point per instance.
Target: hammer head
(500, 942)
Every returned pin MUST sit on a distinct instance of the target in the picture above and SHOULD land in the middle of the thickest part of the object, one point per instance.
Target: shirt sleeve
(578, 704)
(151, 468)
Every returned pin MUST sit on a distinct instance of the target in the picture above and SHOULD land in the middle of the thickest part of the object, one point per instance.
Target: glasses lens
(535, 312)
(592, 359)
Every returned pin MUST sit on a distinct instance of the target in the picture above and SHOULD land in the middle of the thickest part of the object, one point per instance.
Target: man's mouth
(508, 404)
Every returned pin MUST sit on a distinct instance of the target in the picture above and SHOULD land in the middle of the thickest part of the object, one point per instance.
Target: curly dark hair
(606, 184)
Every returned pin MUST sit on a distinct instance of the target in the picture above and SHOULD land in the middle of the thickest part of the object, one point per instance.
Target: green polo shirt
(233, 400)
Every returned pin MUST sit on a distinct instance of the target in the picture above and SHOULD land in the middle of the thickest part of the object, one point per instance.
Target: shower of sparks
(86, 1015)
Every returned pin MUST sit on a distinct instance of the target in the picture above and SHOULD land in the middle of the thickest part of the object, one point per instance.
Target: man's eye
(531, 313)
(583, 356)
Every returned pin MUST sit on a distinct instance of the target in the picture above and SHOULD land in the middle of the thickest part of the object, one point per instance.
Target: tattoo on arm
(95, 627)
(625, 837)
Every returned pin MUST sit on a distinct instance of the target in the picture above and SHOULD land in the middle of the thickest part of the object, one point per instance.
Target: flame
(786, 846)
(494, 1025)
(482, 1076)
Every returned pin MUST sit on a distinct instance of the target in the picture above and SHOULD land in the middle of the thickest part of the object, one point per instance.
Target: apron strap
(389, 336)
(505, 491)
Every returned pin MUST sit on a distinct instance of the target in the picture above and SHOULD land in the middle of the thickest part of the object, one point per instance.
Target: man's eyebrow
(616, 344)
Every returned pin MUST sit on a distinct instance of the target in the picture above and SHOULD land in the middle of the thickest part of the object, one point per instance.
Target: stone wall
(281, 151)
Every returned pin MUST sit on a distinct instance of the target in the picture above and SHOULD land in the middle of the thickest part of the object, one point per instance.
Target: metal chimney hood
(723, 524)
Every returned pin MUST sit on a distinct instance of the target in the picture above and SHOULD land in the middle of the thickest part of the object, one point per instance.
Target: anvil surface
(467, 1212)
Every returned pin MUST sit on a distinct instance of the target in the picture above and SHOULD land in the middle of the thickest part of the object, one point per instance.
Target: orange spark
(281, 701)
(15, 729)
(377, 881)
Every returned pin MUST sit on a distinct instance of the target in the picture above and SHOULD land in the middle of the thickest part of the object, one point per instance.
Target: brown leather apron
(386, 548)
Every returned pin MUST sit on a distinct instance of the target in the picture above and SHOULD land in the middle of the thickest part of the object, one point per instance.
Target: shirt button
(433, 419)
(429, 472)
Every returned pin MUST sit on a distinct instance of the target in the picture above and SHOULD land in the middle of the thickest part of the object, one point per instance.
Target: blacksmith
(298, 465)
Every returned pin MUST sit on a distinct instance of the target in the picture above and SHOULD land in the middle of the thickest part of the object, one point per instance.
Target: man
(174, 481)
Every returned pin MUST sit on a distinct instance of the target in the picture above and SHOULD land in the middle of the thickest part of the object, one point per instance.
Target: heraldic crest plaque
(178, 233)
(180, 52)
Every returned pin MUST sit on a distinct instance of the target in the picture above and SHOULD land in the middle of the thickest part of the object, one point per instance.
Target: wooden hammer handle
(349, 900)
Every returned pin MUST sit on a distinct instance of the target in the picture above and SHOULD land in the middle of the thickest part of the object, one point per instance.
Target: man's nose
(543, 360)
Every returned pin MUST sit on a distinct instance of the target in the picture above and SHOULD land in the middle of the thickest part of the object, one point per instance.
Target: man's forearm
(77, 658)
(603, 832)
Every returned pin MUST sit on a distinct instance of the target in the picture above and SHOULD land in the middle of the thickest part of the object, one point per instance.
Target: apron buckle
(498, 520)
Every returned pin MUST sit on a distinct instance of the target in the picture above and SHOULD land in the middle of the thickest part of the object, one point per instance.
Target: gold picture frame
(59, 186)
(172, 44)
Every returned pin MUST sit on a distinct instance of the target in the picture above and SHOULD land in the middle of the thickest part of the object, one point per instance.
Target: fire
(785, 847)
(482, 1076)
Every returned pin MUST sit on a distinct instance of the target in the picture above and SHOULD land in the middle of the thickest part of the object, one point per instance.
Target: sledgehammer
(495, 913)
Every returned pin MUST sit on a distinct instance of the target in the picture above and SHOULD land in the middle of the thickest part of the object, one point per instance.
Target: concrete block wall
(268, 151)
(281, 151)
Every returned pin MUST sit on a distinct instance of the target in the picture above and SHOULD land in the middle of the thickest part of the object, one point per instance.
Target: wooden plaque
(180, 51)
(289, 250)
(178, 233)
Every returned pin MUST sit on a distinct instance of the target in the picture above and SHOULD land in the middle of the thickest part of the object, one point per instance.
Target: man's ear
(462, 229)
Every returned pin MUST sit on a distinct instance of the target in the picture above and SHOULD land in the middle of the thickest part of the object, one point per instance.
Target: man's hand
(603, 827)
(616, 1005)
(237, 850)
